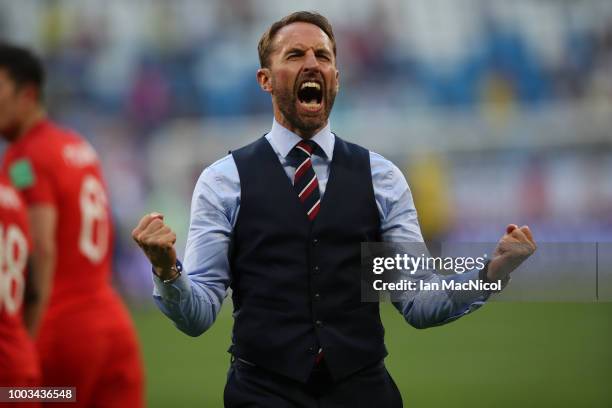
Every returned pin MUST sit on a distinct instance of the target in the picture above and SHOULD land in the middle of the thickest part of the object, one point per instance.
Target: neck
(29, 122)
(303, 133)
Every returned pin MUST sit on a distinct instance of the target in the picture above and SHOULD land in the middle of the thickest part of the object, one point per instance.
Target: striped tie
(305, 179)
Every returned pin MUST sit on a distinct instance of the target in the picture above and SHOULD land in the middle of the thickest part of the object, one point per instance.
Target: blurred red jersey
(86, 338)
(53, 166)
(18, 362)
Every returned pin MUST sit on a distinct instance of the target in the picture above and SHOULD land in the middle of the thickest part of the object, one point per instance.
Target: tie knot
(305, 147)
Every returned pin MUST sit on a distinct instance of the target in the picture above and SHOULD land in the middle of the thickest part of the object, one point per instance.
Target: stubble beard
(287, 101)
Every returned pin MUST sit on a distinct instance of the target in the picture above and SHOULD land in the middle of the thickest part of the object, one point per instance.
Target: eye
(324, 57)
(294, 55)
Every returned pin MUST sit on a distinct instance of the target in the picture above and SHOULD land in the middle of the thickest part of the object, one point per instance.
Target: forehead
(301, 35)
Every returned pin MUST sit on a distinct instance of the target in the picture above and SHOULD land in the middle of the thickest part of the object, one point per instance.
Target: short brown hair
(264, 48)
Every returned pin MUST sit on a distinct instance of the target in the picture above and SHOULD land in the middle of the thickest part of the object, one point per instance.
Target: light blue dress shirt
(194, 300)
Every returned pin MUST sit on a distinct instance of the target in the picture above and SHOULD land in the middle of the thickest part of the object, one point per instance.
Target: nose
(310, 62)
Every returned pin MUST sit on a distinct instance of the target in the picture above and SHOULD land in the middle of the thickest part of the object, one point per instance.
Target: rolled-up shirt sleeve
(399, 224)
(194, 300)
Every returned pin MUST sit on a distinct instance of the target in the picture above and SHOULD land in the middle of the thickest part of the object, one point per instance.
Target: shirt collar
(283, 140)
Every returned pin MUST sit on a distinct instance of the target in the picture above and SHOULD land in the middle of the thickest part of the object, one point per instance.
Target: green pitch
(504, 355)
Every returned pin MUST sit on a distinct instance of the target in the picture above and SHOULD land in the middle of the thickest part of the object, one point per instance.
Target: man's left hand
(513, 249)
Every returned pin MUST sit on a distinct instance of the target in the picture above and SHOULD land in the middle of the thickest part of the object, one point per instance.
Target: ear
(30, 92)
(264, 79)
(337, 80)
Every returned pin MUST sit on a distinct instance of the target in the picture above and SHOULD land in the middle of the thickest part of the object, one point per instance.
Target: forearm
(192, 305)
(43, 224)
(428, 308)
(40, 283)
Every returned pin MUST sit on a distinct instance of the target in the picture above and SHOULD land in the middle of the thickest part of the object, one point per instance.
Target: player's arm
(193, 299)
(43, 223)
(30, 295)
(399, 223)
(429, 308)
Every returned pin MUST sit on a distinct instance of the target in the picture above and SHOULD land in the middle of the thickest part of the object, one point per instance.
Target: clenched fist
(157, 240)
(513, 248)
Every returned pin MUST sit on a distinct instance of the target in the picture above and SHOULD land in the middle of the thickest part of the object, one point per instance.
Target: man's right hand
(157, 240)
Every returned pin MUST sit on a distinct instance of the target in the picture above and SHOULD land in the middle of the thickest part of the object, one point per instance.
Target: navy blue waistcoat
(296, 284)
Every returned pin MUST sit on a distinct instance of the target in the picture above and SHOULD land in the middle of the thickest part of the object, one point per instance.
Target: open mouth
(310, 95)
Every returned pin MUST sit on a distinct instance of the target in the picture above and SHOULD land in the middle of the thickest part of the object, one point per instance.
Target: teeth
(310, 85)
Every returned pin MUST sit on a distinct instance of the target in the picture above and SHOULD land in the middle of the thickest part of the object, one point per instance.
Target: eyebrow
(300, 48)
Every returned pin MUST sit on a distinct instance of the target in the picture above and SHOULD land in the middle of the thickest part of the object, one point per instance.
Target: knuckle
(157, 222)
(137, 236)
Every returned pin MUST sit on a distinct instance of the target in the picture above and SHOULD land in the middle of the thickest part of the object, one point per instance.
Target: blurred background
(497, 112)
